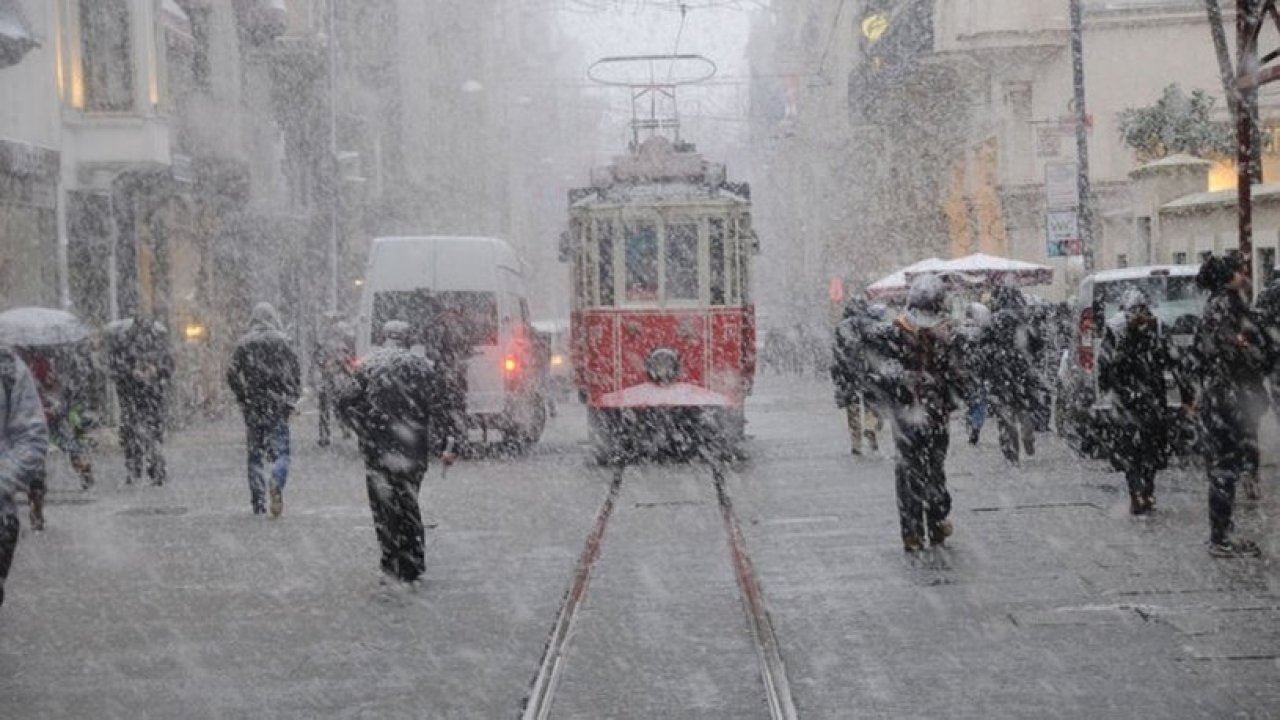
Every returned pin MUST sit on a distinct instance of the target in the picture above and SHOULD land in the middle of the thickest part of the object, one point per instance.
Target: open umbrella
(40, 327)
(896, 285)
(991, 270)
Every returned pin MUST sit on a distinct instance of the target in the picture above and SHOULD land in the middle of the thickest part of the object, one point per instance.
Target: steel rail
(542, 692)
(773, 670)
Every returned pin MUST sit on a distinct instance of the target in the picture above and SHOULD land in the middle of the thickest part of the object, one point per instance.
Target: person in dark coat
(1133, 362)
(141, 365)
(1230, 353)
(332, 360)
(970, 350)
(923, 377)
(396, 404)
(23, 443)
(449, 344)
(266, 380)
(851, 373)
(1010, 349)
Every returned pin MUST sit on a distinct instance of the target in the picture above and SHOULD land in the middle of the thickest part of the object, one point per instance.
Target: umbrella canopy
(991, 270)
(39, 327)
(895, 286)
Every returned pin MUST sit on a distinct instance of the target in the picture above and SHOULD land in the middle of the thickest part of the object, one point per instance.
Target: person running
(924, 380)
(1133, 361)
(23, 443)
(1230, 354)
(397, 406)
(265, 378)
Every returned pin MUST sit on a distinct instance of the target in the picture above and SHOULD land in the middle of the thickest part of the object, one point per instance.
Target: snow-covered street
(1049, 601)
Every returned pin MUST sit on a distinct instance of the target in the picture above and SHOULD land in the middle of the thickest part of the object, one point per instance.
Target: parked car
(1084, 416)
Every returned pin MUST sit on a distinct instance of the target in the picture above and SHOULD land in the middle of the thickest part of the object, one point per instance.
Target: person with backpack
(397, 404)
(923, 378)
(1230, 353)
(265, 379)
(1133, 360)
(23, 442)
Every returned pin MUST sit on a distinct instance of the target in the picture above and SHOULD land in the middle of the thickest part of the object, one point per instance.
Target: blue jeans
(977, 415)
(267, 440)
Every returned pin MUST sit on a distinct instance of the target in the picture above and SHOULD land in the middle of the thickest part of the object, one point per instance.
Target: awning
(16, 39)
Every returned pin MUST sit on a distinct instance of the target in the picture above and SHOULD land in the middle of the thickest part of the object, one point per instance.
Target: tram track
(777, 689)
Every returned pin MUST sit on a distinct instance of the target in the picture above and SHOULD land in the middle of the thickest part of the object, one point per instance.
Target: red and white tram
(662, 324)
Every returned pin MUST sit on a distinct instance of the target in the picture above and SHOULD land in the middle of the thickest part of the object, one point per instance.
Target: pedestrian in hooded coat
(1010, 351)
(265, 378)
(1133, 361)
(923, 377)
(1230, 352)
(397, 406)
(851, 373)
(141, 365)
(976, 317)
(23, 442)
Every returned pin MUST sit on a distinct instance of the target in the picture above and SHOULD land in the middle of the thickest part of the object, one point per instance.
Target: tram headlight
(662, 366)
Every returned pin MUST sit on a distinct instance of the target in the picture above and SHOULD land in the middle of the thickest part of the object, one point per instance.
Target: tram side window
(642, 262)
(717, 261)
(682, 262)
(604, 264)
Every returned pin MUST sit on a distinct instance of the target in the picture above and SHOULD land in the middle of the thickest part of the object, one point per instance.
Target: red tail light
(1085, 351)
(510, 365)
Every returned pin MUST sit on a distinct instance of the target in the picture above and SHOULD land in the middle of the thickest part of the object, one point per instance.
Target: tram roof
(660, 193)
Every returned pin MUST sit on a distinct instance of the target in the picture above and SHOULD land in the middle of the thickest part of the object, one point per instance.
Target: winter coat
(1009, 348)
(264, 373)
(850, 365)
(396, 404)
(23, 436)
(923, 377)
(140, 362)
(1133, 362)
(1229, 353)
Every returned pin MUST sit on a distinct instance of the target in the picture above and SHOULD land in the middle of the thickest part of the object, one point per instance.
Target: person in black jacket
(266, 380)
(851, 373)
(1132, 364)
(1230, 352)
(24, 440)
(923, 377)
(141, 364)
(397, 406)
(1010, 348)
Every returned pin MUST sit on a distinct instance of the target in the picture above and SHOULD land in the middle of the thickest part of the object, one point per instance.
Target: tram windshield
(682, 262)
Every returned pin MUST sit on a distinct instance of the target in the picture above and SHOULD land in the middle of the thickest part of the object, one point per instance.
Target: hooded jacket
(23, 436)
(264, 374)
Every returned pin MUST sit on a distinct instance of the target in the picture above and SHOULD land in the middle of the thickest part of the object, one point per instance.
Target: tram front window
(682, 262)
(642, 262)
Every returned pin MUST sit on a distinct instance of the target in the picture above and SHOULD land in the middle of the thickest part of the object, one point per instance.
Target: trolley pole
(1084, 207)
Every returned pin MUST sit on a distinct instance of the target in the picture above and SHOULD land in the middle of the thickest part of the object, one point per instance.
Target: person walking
(1010, 347)
(1230, 353)
(332, 360)
(141, 364)
(397, 406)
(23, 443)
(1133, 361)
(851, 371)
(924, 379)
(266, 381)
(969, 340)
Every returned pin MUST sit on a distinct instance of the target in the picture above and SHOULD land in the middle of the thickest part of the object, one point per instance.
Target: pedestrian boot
(911, 543)
(871, 440)
(974, 436)
(1137, 504)
(939, 532)
(1252, 487)
(1234, 549)
(277, 502)
(36, 499)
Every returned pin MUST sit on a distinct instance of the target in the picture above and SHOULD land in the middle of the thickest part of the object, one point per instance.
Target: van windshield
(471, 314)
(1177, 301)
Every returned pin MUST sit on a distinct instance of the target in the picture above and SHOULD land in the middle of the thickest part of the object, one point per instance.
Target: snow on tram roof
(658, 192)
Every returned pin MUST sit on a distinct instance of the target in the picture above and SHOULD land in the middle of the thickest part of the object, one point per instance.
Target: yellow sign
(875, 26)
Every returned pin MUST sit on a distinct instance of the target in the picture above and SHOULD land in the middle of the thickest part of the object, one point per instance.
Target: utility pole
(1084, 208)
(335, 180)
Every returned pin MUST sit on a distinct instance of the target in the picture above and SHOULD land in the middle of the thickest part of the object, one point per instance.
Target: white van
(478, 284)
